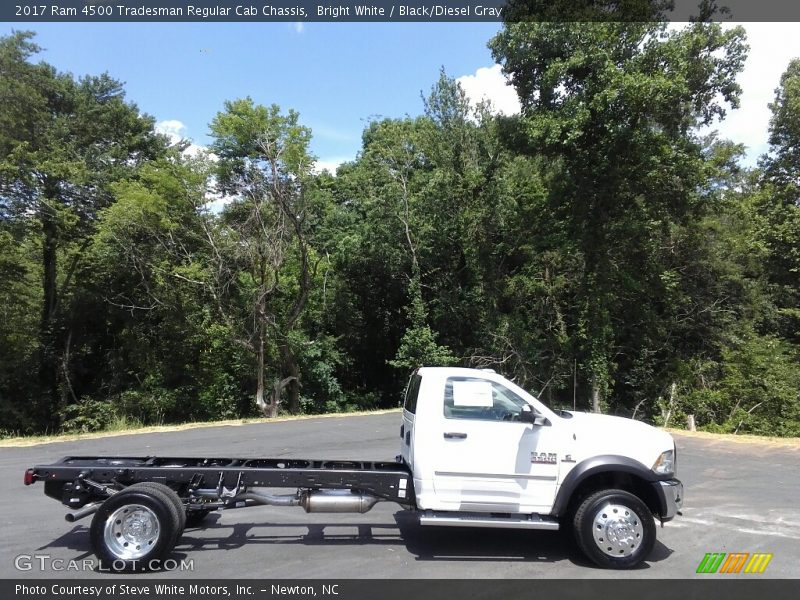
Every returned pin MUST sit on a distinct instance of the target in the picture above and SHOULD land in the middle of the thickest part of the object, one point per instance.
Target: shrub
(88, 415)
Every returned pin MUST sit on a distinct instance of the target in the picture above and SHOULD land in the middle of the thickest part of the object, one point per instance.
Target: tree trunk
(260, 402)
(68, 392)
(277, 392)
(48, 364)
(595, 395)
(672, 389)
(275, 403)
(293, 387)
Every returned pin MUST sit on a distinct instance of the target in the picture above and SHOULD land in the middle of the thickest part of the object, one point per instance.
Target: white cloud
(489, 83)
(772, 46)
(299, 27)
(172, 128)
(195, 151)
(329, 164)
(176, 131)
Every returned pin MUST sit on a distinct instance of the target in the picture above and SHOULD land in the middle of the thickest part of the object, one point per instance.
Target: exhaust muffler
(322, 501)
(337, 501)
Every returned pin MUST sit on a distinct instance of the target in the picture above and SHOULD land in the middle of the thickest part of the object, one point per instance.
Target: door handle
(451, 435)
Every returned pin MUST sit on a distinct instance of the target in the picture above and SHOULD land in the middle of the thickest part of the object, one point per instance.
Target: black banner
(391, 10)
(385, 589)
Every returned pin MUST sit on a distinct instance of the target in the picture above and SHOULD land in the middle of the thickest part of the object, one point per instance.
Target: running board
(453, 519)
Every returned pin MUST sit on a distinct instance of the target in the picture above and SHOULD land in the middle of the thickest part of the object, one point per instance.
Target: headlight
(665, 464)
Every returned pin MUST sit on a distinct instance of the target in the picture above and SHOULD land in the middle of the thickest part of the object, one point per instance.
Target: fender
(606, 463)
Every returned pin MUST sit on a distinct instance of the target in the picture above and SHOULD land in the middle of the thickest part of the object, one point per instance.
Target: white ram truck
(476, 451)
(486, 453)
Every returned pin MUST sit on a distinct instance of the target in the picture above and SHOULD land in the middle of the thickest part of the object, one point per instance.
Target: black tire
(195, 517)
(173, 496)
(620, 520)
(107, 540)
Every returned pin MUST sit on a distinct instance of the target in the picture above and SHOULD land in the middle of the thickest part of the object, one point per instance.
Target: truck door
(409, 417)
(487, 459)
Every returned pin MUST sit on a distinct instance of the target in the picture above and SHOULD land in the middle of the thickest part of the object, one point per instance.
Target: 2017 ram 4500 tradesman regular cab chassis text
(476, 451)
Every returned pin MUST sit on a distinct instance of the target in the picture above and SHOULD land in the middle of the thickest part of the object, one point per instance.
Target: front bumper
(670, 498)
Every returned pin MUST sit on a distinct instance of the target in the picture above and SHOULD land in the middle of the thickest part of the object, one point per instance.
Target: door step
(499, 520)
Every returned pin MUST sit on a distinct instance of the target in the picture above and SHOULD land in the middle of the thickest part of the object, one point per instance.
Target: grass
(124, 426)
(791, 442)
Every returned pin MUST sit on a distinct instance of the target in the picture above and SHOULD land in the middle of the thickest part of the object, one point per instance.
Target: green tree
(395, 154)
(62, 143)
(613, 105)
(778, 203)
(153, 283)
(262, 256)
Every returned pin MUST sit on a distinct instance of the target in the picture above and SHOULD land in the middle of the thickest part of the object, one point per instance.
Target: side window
(411, 393)
(473, 398)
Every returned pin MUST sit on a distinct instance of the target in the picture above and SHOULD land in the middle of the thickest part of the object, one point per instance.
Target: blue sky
(337, 75)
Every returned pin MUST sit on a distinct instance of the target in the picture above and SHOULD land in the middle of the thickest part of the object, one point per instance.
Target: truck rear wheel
(135, 529)
(173, 496)
(614, 529)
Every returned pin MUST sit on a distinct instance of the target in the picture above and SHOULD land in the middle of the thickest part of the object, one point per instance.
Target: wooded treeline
(596, 248)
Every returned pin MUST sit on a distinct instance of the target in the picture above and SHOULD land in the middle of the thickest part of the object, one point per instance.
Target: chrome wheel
(130, 531)
(617, 530)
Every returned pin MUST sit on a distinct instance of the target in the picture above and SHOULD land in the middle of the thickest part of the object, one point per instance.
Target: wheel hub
(130, 531)
(617, 530)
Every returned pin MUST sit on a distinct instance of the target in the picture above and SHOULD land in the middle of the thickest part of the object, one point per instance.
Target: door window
(480, 399)
(412, 392)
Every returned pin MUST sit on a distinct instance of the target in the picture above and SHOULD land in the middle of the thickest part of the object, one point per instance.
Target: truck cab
(480, 446)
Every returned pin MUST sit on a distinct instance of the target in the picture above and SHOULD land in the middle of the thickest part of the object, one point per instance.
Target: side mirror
(527, 415)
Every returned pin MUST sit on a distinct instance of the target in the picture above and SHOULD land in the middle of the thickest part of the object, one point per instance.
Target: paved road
(739, 498)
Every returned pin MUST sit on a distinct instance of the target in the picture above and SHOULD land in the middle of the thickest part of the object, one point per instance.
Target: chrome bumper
(670, 497)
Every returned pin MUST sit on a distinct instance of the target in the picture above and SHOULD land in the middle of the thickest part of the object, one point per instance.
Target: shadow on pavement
(424, 543)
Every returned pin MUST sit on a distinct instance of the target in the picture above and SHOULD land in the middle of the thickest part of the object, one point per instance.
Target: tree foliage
(63, 143)
(595, 248)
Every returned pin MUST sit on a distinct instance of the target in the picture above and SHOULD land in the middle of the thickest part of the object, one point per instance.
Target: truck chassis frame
(210, 483)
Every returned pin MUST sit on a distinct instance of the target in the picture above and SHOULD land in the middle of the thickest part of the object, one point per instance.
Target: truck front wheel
(614, 529)
(134, 529)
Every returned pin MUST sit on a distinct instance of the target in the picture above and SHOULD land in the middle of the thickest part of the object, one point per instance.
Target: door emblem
(547, 458)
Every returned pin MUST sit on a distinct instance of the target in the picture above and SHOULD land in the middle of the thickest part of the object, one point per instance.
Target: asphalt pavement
(740, 497)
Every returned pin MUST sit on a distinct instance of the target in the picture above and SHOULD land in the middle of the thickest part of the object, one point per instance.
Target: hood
(618, 435)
